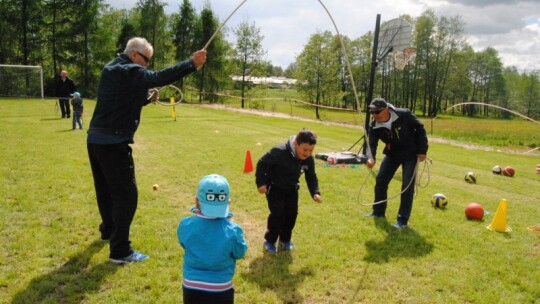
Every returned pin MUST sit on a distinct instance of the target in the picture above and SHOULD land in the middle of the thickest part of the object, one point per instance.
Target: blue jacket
(123, 91)
(212, 246)
(405, 140)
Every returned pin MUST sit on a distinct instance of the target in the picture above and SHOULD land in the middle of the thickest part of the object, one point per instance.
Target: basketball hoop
(403, 58)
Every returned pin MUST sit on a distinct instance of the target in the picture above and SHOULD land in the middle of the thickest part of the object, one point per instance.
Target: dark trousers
(283, 205)
(192, 296)
(64, 107)
(387, 170)
(77, 119)
(116, 193)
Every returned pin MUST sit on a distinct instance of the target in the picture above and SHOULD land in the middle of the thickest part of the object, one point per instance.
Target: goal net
(21, 81)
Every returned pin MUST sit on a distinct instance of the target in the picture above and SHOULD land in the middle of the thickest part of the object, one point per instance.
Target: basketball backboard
(395, 36)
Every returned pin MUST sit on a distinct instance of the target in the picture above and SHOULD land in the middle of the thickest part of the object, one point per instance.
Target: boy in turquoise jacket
(212, 244)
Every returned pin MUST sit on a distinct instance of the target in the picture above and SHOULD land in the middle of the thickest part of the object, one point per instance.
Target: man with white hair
(122, 92)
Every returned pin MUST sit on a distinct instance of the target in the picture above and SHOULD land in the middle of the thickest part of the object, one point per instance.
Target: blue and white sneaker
(399, 225)
(269, 247)
(133, 257)
(286, 246)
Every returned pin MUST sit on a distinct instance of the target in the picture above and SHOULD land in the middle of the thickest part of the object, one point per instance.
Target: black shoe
(373, 214)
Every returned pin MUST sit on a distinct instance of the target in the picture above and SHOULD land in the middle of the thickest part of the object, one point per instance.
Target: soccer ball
(439, 200)
(497, 170)
(474, 211)
(508, 171)
(470, 178)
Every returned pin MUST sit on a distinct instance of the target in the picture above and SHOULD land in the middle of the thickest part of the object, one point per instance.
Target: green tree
(488, 83)
(423, 42)
(152, 25)
(459, 85)
(319, 70)
(79, 46)
(184, 24)
(248, 51)
(213, 75)
(127, 32)
(531, 94)
(360, 55)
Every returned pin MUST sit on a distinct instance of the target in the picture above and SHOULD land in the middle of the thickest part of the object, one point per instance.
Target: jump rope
(353, 84)
(154, 95)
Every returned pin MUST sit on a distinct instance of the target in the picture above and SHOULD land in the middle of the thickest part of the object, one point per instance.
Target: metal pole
(41, 73)
(374, 63)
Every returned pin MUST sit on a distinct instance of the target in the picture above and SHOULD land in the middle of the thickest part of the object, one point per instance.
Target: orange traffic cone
(499, 221)
(248, 165)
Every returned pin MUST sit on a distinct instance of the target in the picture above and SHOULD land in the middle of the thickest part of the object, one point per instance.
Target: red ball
(508, 171)
(474, 211)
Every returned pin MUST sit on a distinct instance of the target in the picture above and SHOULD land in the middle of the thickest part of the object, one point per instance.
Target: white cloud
(510, 26)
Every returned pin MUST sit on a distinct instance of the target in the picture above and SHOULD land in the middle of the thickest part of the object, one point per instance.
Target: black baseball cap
(378, 104)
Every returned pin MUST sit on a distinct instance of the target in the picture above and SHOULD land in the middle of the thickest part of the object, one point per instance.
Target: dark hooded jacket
(280, 168)
(405, 140)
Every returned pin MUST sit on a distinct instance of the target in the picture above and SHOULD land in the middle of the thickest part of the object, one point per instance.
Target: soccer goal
(21, 81)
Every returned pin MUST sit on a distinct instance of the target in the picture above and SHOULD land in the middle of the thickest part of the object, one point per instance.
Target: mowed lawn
(51, 251)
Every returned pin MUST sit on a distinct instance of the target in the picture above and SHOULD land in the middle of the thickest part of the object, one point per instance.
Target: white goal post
(21, 80)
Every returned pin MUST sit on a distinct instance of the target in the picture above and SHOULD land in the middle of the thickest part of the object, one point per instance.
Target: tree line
(81, 36)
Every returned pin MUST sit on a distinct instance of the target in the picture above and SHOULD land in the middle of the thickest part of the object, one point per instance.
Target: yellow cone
(499, 221)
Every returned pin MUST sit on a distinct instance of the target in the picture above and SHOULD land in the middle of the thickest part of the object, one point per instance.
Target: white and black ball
(497, 170)
(439, 200)
(470, 178)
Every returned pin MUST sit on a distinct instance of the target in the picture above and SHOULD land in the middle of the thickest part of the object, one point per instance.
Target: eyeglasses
(376, 112)
(146, 59)
(216, 197)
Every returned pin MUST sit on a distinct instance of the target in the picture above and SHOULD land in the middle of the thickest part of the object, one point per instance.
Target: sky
(512, 27)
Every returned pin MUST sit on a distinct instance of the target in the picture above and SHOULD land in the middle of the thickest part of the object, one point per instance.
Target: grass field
(51, 252)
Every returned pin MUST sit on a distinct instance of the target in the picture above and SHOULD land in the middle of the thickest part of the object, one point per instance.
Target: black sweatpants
(116, 193)
(283, 205)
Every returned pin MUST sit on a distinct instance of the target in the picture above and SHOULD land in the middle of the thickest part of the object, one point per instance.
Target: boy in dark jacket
(406, 143)
(277, 175)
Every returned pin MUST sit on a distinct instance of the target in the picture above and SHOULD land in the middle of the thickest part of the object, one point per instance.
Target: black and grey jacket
(404, 140)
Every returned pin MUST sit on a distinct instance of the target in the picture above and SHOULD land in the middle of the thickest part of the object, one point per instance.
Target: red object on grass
(474, 211)
(508, 171)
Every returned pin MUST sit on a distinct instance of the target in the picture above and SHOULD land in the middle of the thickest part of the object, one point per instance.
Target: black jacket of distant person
(65, 88)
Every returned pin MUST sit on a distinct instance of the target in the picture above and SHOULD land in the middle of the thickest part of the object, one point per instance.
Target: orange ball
(508, 171)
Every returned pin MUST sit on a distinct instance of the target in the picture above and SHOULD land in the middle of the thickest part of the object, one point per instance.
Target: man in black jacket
(406, 144)
(64, 88)
(277, 175)
(122, 92)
